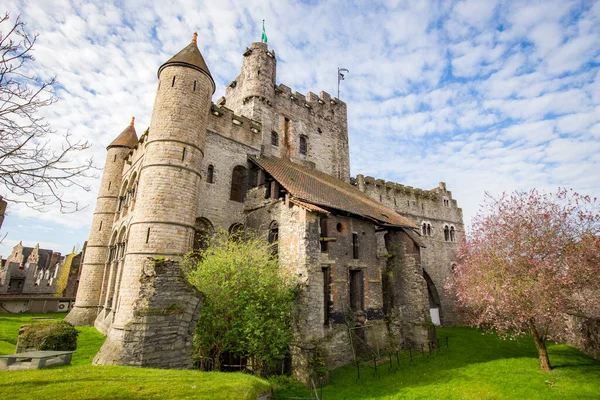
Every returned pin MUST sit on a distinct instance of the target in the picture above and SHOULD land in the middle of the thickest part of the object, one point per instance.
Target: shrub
(53, 335)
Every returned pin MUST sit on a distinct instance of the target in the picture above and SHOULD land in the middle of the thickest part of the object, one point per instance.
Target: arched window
(210, 174)
(235, 230)
(446, 233)
(452, 234)
(303, 145)
(428, 229)
(122, 197)
(274, 138)
(238, 184)
(202, 231)
(424, 229)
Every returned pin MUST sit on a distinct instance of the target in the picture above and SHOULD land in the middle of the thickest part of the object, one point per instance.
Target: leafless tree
(34, 169)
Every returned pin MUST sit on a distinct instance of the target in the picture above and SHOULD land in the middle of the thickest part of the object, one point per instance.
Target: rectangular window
(355, 246)
(356, 290)
(323, 238)
(326, 294)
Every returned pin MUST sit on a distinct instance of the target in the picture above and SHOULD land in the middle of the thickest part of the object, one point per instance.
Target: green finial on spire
(264, 34)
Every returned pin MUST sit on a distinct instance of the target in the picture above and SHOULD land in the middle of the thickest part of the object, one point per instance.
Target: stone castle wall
(320, 119)
(93, 267)
(435, 207)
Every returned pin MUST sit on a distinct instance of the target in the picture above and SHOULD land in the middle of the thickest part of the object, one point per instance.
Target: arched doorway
(435, 307)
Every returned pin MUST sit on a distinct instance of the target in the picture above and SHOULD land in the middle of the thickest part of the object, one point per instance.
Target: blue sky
(483, 95)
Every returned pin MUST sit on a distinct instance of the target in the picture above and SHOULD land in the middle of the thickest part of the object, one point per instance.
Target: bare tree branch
(31, 168)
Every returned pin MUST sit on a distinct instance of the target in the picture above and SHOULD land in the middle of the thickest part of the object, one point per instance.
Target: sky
(483, 95)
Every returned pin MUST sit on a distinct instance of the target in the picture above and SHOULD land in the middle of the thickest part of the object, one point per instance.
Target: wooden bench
(35, 359)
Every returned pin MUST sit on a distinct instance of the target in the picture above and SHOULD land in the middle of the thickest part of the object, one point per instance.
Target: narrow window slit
(148, 236)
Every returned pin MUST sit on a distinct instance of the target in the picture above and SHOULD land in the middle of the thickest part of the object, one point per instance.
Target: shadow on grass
(474, 366)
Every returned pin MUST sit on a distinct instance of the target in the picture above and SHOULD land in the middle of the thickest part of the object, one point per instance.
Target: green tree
(247, 302)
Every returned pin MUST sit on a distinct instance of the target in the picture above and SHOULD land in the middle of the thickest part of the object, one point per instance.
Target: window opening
(148, 235)
(274, 139)
(202, 231)
(173, 83)
(446, 233)
(324, 242)
(326, 294)
(274, 237)
(303, 146)
(100, 228)
(238, 184)
(109, 183)
(210, 174)
(183, 154)
(428, 229)
(355, 246)
(194, 86)
(356, 289)
(452, 234)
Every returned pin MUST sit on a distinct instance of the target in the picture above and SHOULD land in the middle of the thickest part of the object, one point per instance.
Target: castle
(276, 161)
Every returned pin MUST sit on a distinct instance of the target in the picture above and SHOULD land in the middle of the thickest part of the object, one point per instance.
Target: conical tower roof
(190, 57)
(128, 138)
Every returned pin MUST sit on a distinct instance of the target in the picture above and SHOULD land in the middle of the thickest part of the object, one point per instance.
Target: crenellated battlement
(362, 181)
(236, 127)
(324, 102)
(395, 193)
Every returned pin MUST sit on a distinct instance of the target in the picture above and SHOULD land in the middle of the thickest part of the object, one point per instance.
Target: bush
(53, 335)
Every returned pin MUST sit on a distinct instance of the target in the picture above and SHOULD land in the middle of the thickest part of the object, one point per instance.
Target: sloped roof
(189, 57)
(127, 138)
(323, 190)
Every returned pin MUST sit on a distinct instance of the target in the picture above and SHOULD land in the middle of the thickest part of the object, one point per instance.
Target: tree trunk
(540, 345)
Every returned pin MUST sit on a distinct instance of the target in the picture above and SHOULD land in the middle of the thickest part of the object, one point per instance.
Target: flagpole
(338, 96)
(340, 78)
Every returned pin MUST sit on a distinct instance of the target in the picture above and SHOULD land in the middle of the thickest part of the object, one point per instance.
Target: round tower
(256, 80)
(170, 177)
(90, 282)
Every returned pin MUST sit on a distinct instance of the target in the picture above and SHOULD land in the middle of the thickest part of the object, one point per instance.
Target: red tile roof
(323, 190)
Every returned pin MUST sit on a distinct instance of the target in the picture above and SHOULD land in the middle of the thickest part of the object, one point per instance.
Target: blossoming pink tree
(531, 258)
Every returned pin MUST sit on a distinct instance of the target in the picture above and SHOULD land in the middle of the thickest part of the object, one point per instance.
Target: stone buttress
(156, 311)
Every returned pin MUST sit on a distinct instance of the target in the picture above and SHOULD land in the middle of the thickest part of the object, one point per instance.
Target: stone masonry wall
(160, 333)
(430, 207)
(169, 186)
(301, 233)
(92, 269)
(215, 204)
(320, 119)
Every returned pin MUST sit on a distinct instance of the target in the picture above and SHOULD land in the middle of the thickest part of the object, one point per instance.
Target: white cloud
(483, 95)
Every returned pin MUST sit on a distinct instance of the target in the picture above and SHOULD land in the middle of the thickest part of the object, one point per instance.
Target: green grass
(475, 366)
(81, 380)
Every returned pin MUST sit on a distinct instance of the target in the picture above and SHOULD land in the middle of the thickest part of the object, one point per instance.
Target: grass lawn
(81, 380)
(475, 366)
